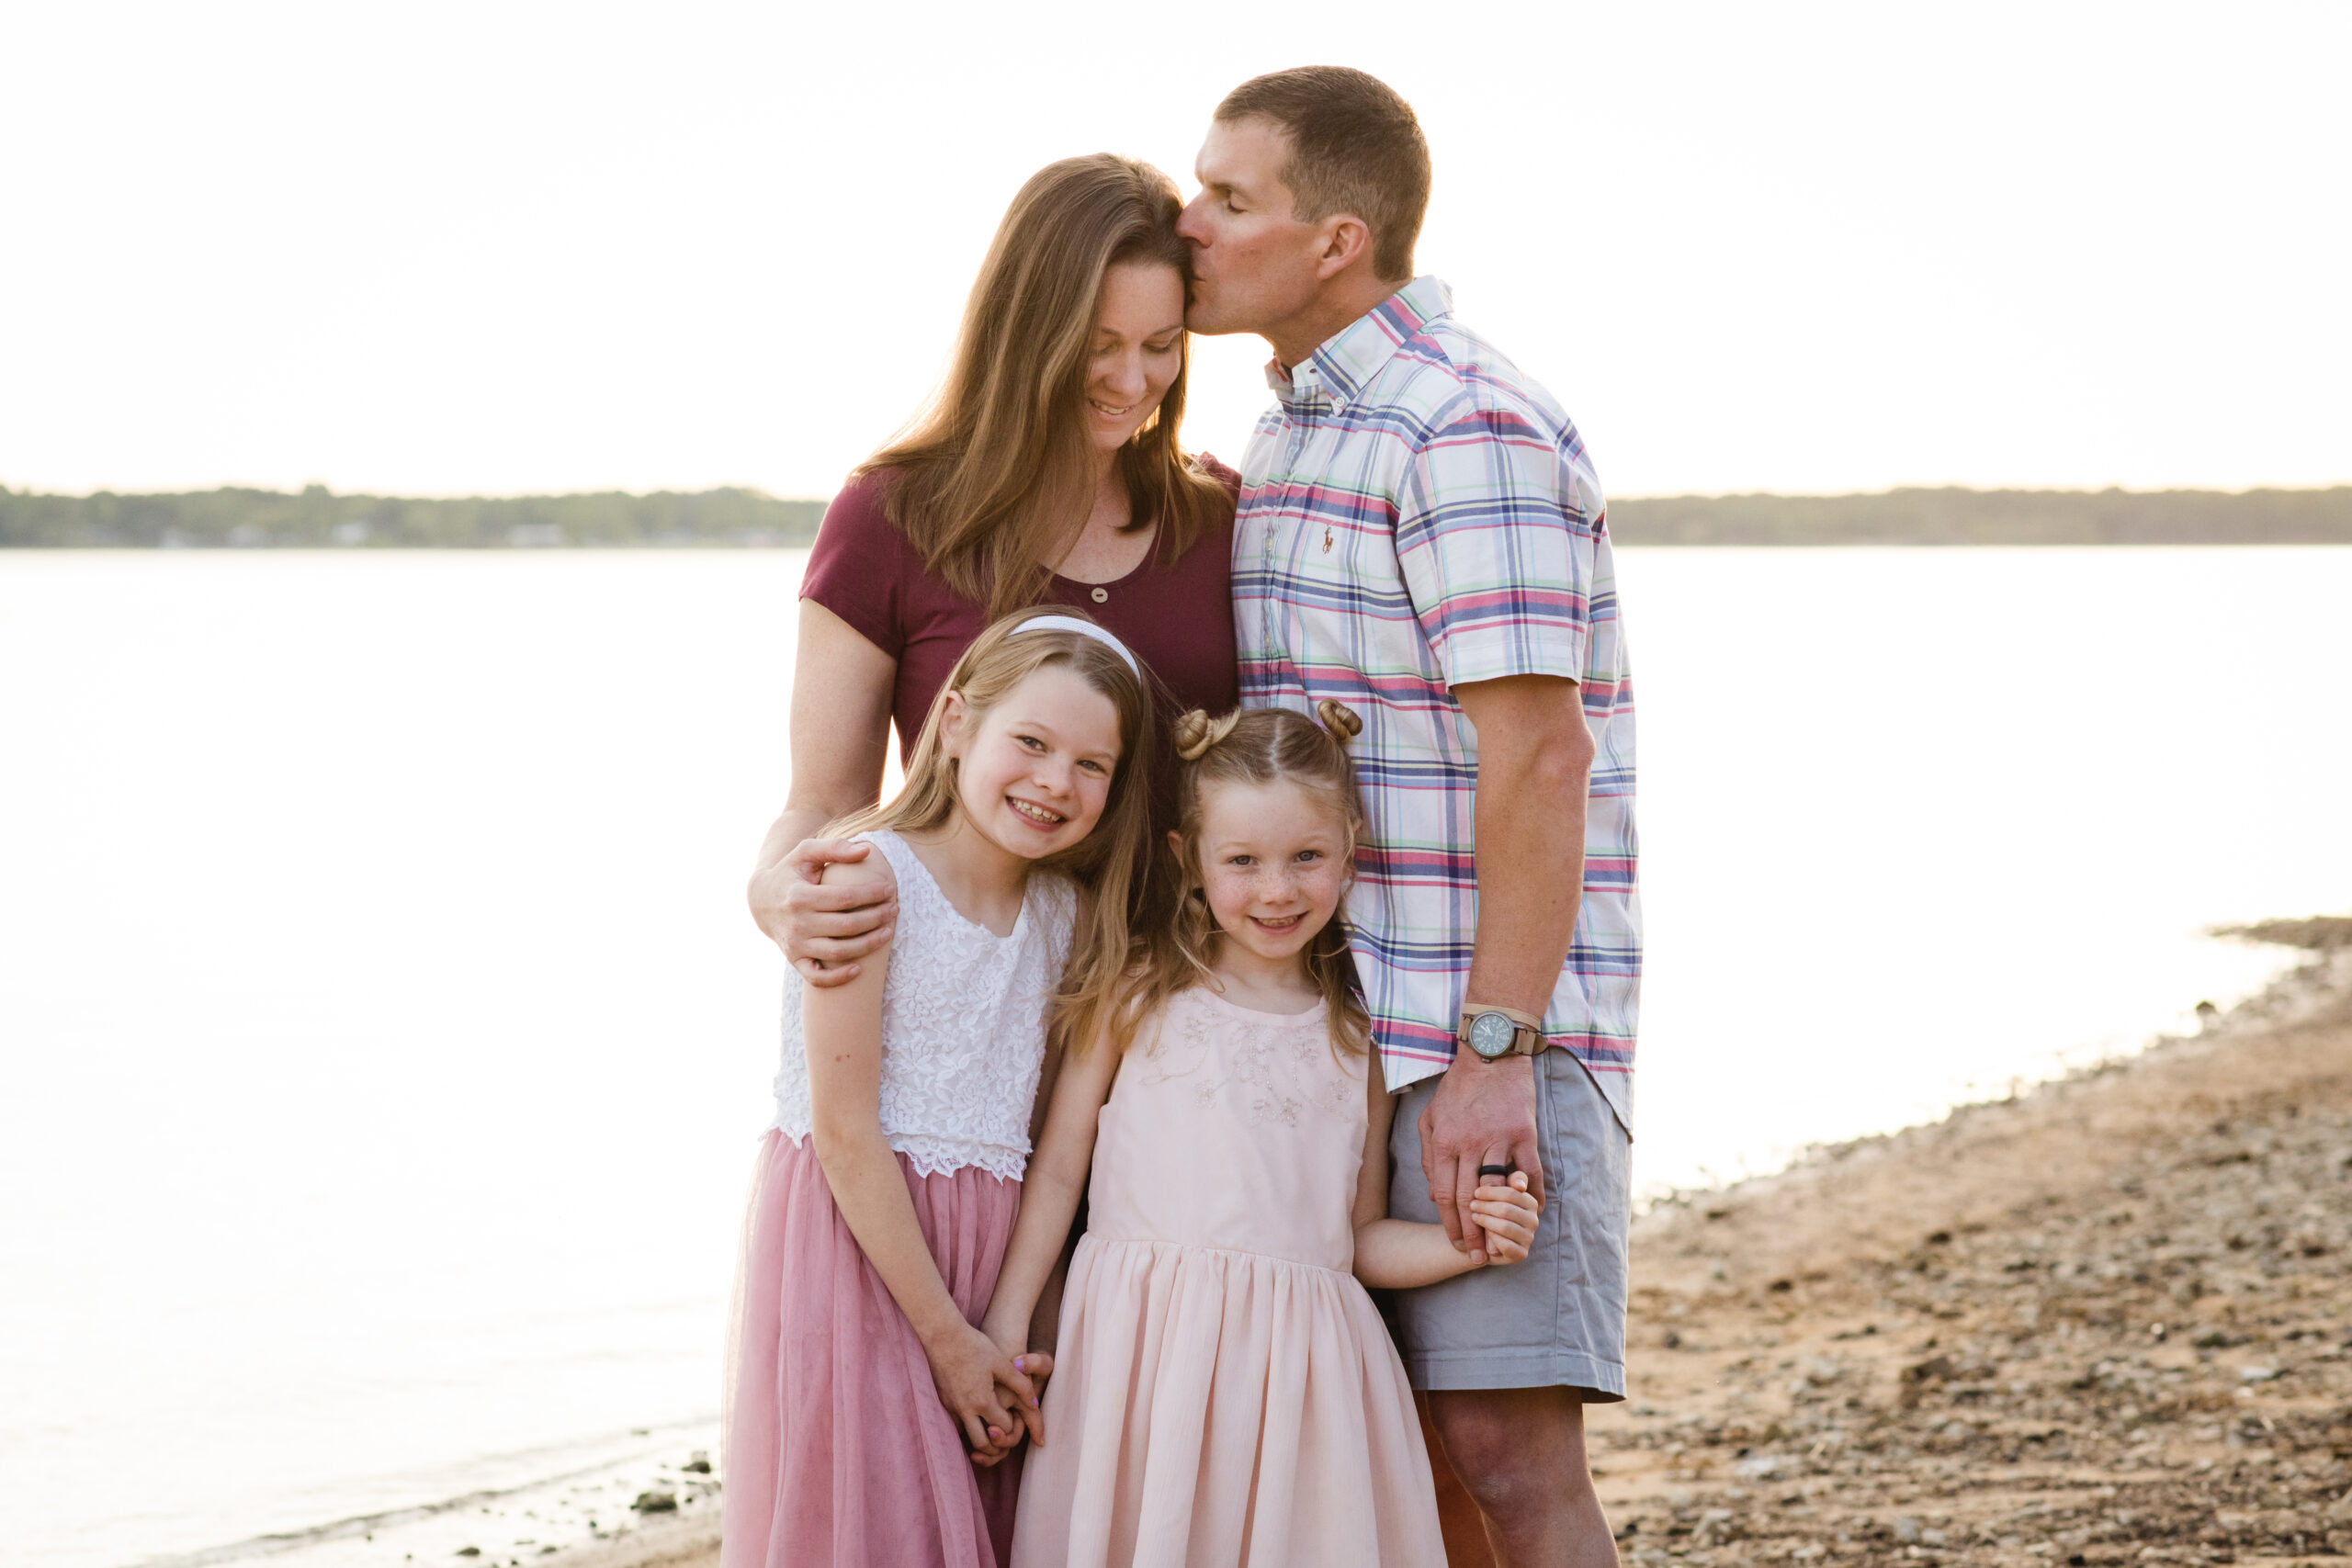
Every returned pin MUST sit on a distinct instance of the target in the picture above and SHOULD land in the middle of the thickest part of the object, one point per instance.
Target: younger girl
(1226, 1389)
(888, 1186)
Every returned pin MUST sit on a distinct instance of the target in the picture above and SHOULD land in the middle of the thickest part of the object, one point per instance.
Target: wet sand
(2109, 1321)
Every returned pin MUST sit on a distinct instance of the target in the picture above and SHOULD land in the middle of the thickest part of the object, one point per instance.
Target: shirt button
(1101, 596)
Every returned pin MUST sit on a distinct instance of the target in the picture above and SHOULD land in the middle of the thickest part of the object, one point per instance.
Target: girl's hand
(1507, 1214)
(1012, 1338)
(1007, 1336)
(981, 1389)
(1030, 1421)
(1038, 1366)
(1026, 1421)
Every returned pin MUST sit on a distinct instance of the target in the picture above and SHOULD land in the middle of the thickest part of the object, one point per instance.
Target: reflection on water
(389, 1042)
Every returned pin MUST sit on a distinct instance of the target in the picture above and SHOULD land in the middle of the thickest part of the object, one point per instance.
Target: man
(1421, 536)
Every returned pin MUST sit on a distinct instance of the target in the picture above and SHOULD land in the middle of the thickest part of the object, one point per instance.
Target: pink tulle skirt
(838, 1452)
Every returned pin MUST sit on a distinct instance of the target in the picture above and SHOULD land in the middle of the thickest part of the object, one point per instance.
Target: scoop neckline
(1200, 462)
(1149, 554)
(1316, 1012)
(1020, 921)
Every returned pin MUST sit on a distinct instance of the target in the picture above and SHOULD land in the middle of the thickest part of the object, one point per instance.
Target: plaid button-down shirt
(1417, 515)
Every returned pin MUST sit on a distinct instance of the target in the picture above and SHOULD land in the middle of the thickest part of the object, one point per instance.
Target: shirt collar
(1347, 360)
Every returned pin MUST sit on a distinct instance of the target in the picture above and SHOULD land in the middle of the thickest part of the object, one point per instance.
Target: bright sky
(443, 248)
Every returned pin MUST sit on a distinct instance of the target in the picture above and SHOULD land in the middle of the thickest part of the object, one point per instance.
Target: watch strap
(1526, 1041)
(1524, 1020)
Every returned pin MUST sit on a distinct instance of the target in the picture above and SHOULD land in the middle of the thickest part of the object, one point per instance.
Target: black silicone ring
(1494, 1170)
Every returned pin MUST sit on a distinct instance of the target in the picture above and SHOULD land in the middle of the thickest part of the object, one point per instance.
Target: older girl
(890, 1179)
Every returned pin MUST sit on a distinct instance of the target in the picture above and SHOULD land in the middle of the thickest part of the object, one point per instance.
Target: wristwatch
(1496, 1032)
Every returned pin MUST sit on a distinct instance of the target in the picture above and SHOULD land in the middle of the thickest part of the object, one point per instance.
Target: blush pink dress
(1224, 1392)
(838, 1452)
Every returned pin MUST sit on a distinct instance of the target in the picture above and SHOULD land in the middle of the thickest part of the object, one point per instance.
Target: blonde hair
(1258, 746)
(1108, 865)
(996, 474)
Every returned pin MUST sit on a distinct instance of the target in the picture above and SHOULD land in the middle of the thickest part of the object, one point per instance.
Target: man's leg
(1520, 1452)
(1460, 1521)
(1509, 1356)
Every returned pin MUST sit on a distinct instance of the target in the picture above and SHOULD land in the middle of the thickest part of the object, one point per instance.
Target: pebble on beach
(2106, 1322)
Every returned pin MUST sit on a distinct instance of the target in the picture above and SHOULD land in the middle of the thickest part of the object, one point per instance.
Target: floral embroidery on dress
(1275, 1065)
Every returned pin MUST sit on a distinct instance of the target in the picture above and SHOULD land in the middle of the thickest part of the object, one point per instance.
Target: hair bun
(1340, 719)
(1196, 731)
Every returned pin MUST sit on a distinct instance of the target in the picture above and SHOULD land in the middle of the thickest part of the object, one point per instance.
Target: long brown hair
(1109, 863)
(993, 478)
(1259, 746)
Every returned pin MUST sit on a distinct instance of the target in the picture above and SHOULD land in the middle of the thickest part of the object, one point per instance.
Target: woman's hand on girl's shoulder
(1507, 1213)
(829, 903)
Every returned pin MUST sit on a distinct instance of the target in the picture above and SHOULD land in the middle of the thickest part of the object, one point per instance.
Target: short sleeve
(857, 567)
(1497, 531)
(1229, 478)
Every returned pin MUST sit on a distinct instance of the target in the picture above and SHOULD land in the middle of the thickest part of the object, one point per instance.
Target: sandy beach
(2106, 1321)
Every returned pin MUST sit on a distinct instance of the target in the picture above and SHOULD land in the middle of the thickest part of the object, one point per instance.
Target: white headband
(1083, 628)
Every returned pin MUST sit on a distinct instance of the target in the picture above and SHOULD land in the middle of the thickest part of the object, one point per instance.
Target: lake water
(386, 1043)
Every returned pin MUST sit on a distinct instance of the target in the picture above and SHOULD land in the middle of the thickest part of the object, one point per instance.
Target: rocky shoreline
(2105, 1321)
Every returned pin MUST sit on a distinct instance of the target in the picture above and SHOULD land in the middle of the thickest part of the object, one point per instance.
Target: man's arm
(1535, 756)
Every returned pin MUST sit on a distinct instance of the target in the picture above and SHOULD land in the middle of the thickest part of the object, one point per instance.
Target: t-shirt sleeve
(1229, 478)
(857, 565)
(1497, 530)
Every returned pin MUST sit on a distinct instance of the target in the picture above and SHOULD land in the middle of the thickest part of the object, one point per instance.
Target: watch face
(1490, 1035)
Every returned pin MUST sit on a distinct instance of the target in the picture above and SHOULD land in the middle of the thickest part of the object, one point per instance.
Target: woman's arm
(1050, 1194)
(843, 1031)
(841, 731)
(1401, 1254)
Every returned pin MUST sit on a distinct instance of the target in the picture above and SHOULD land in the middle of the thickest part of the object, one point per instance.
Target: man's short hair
(1355, 148)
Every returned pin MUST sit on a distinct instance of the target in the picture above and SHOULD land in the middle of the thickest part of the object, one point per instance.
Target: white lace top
(962, 1024)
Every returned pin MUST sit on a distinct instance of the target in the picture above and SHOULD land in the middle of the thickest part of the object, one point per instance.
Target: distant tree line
(317, 518)
(1992, 517)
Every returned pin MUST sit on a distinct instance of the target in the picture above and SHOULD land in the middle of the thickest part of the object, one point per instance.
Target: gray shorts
(1558, 1319)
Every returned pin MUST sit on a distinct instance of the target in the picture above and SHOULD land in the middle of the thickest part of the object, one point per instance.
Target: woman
(1047, 470)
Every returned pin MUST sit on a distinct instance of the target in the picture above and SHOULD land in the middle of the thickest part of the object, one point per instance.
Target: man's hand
(1483, 1113)
(823, 930)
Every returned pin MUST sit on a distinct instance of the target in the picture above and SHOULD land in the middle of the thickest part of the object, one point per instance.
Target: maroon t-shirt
(1178, 617)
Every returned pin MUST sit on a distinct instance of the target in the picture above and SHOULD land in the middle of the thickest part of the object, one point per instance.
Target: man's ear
(1346, 240)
